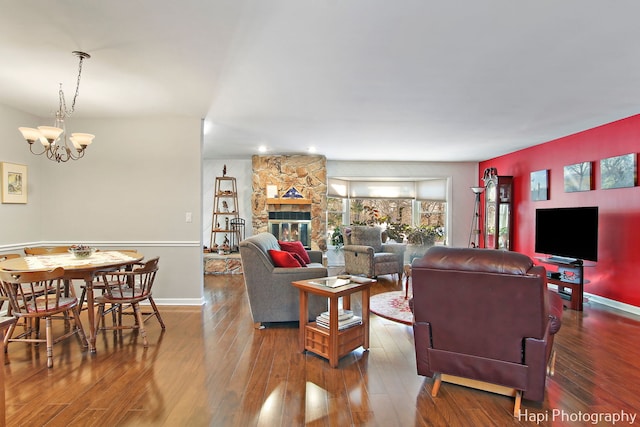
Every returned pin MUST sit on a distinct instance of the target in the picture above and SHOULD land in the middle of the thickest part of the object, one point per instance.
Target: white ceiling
(358, 79)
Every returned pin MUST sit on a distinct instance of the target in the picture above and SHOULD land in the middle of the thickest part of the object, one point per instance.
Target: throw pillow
(283, 259)
(298, 258)
(297, 248)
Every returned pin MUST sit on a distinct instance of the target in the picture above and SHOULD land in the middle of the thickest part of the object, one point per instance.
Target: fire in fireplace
(291, 227)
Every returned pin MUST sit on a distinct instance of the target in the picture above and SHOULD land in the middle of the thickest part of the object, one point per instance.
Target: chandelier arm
(33, 152)
(71, 155)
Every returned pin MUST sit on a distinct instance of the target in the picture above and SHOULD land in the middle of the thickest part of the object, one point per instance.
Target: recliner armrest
(359, 249)
(396, 248)
(555, 312)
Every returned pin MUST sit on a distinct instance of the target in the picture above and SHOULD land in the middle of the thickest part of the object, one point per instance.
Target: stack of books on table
(346, 319)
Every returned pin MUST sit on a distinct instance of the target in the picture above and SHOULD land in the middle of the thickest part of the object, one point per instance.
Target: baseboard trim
(628, 308)
(179, 301)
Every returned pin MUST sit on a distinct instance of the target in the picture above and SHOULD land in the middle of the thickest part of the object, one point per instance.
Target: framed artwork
(540, 185)
(14, 183)
(618, 172)
(272, 191)
(578, 177)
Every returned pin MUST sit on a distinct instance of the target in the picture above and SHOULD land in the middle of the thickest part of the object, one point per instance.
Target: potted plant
(421, 238)
(337, 238)
(424, 235)
(336, 256)
(397, 231)
(371, 216)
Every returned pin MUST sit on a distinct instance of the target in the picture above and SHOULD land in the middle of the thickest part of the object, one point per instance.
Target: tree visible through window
(390, 214)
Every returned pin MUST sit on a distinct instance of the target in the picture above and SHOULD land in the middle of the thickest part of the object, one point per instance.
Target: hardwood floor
(211, 368)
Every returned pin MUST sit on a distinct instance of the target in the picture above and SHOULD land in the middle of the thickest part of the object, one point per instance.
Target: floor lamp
(475, 220)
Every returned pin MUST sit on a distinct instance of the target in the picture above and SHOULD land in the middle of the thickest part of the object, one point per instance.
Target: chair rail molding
(105, 243)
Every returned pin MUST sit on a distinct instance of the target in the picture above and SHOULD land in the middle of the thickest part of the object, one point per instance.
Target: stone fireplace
(292, 219)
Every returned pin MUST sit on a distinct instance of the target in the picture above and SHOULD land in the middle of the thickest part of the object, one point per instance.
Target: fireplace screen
(291, 227)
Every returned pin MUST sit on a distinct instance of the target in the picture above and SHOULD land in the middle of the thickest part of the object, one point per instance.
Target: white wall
(132, 189)
(20, 222)
(461, 176)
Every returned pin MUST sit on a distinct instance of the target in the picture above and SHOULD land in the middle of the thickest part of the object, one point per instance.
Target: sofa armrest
(299, 273)
(315, 256)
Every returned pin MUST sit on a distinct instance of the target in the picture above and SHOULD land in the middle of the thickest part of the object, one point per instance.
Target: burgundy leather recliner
(484, 315)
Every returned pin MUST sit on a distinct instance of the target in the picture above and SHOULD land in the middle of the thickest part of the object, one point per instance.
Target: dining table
(77, 269)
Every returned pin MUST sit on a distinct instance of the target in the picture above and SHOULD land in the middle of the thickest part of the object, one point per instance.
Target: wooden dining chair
(45, 250)
(128, 288)
(48, 250)
(99, 284)
(39, 295)
(3, 297)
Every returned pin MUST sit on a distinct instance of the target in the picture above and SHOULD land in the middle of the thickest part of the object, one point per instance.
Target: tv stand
(560, 260)
(569, 280)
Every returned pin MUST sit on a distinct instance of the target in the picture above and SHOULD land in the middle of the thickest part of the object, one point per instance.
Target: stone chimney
(308, 174)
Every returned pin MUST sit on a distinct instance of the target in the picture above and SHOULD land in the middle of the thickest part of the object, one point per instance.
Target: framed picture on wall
(14, 183)
(618, 172)
(578, 177)
(540, 185)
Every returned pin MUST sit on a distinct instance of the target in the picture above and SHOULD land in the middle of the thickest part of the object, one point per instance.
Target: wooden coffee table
(332, 343)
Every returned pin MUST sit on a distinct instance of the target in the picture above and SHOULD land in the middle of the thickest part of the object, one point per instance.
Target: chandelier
(54, 138)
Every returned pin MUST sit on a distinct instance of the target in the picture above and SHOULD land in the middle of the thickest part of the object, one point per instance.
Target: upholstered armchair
(484, 318)
(272, 297)
(364, 253)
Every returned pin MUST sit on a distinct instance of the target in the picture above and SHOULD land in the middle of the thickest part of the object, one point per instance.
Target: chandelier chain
(63, 105)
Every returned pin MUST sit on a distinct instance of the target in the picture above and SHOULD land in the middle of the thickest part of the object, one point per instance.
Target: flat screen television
(568, 232)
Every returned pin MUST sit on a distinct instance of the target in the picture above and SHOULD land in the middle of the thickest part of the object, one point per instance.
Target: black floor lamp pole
(475, 220)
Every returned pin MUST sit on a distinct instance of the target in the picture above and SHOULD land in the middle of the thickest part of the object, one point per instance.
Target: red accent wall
(615, 275)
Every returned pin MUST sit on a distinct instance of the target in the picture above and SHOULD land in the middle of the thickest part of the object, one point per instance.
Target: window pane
(383, 212)
(335, 216)
(380, 211)
(434, 214)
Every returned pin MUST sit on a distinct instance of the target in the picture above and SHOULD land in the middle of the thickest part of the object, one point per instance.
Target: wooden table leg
(333, 332)
(91, 314)
(346, 302)
(366, 293)
(5, 322)
(304, 317)
(407, 275)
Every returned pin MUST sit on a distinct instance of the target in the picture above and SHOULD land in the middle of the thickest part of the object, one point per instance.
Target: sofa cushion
(297, 248)
(283, 259)
(475, 260)
(367, 236)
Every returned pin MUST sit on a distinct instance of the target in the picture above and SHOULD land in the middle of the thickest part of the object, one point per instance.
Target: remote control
(360, 279)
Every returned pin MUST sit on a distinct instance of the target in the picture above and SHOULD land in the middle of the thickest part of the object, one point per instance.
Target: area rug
(392, 306)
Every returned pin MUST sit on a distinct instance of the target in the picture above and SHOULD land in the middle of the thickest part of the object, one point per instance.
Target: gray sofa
(272, 298)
